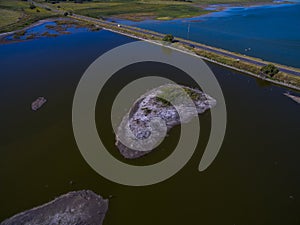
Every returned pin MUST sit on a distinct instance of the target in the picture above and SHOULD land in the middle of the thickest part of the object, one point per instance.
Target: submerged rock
(74, 208)
(155, 113)
(293, 97)
(38, 103)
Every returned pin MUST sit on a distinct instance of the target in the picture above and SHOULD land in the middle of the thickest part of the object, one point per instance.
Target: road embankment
(287, 76)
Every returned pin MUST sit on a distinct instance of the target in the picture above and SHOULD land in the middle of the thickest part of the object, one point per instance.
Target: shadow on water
(262, 83)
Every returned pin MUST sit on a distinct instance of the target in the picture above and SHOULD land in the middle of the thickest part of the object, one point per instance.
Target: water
(271, 32)
(254, 180)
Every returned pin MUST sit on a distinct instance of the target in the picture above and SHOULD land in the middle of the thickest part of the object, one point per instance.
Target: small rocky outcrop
(74, 208)
(293, 97)
(155, 113)
(38, 103)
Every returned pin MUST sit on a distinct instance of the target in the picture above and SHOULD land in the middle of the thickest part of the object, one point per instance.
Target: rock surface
(38, 103)
(74, 208)
(160, 104)
(293, 97)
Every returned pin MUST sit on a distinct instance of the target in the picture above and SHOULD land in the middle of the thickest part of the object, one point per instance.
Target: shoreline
(35, 24)
(214, 8)
(224, 6)
(245, 72)
(207, 10)
(284, 79)
(59, 21)
(137, 34)
(288, 77)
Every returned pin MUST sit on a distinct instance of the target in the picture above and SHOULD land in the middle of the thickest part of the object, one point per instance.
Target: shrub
(269, 70)
(168, 38)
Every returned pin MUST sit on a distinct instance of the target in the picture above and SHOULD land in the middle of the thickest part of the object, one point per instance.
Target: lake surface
(269, 32)
(254, 180)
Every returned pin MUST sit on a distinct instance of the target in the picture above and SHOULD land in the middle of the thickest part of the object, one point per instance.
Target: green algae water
(255, 179)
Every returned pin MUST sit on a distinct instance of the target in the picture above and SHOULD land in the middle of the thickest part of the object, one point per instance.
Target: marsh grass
(135, 10)
(16, 14)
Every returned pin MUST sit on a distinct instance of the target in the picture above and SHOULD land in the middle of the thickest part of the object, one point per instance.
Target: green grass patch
(16, 14)
(135, 10)
(176, 95)
(8, 17)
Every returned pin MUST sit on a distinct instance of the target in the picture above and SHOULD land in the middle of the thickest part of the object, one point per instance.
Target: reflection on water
(254, 180)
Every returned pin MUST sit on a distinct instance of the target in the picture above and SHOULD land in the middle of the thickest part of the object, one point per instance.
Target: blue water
(270, 32)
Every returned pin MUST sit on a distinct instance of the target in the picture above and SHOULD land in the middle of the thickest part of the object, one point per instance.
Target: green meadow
(16, 14)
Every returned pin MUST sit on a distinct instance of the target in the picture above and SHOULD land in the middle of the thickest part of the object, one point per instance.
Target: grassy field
(134, 10)
(144, 9)
(9, 16)
(16, 14)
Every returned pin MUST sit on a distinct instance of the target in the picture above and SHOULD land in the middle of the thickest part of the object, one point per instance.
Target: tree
(269, 70)
(168, 38)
